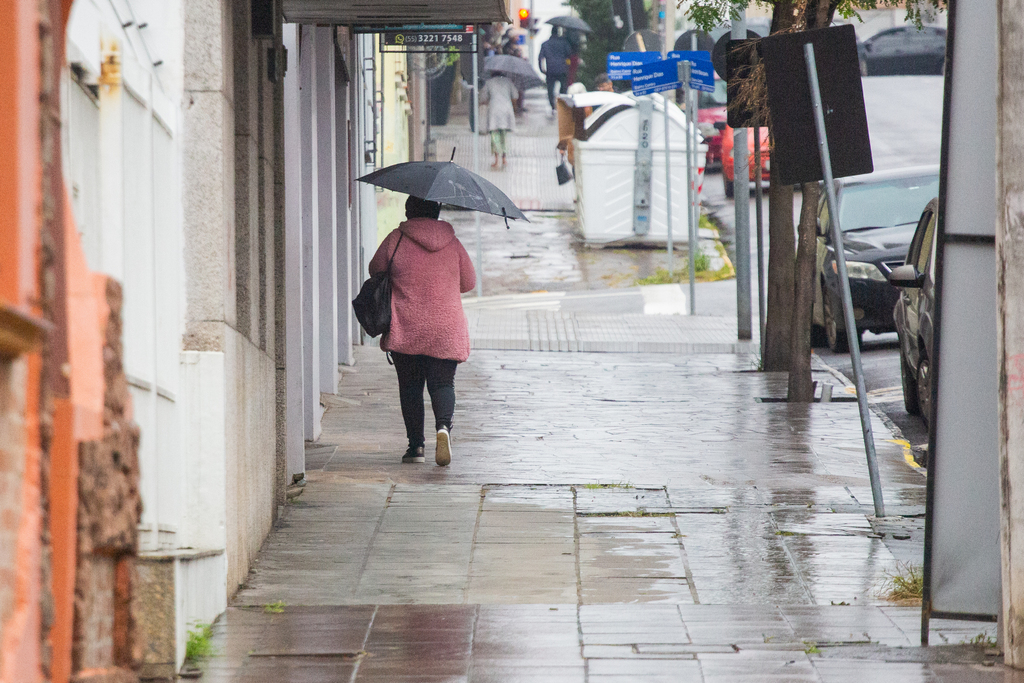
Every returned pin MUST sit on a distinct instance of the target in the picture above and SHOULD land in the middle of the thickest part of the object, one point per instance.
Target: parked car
(903, 50)
(914, 313)
(728, 173)
(878, 213)
(711, 111)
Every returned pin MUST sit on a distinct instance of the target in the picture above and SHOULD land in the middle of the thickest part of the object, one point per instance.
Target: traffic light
(524, 18)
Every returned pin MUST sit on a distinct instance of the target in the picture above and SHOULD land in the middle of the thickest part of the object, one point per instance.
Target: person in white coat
(500, 94)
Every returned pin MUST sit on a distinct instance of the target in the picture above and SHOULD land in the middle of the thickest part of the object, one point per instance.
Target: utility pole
(1009, 264)
(670, 24)
(741, 197)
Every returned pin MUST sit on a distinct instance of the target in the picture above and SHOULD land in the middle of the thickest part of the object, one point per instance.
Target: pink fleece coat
(430, 271)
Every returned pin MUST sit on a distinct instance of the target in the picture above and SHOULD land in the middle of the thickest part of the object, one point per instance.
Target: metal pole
(693, 209)
(837, 242)
(741, 187)
(666, 45)
(629, 16)
(529, 37)
(758, 199)
(691, 230)
(476, 164)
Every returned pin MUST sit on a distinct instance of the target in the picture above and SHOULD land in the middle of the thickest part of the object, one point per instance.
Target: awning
(395, 12)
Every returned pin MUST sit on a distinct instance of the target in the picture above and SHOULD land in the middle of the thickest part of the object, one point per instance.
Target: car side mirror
(720, 126)
(906, 276)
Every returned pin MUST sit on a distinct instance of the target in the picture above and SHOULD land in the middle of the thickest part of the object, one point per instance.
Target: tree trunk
(801, 389)
(781, 249)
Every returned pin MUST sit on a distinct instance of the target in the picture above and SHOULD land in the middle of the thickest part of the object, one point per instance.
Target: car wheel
(924, 388)
(837, 340)
(911, 400)
(729, 188)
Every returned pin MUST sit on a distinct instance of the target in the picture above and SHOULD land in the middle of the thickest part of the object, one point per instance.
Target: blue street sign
(620, 64)
(656, 77)
(690, 55)
(702, 75)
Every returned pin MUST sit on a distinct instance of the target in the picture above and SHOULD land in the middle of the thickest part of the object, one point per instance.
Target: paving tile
(685, 668)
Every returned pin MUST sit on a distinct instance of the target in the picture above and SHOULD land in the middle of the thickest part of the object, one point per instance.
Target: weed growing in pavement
(787, 533)
(811, 648)
(982, 640)
(906, 583)
(199, 644)
(617, 485)
(274, 607)
(640, 512)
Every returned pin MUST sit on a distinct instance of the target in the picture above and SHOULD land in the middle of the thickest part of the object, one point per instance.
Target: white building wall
(123, 147)
(296, 397)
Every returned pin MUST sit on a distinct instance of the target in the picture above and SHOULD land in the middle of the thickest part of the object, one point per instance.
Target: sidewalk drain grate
(775, 399)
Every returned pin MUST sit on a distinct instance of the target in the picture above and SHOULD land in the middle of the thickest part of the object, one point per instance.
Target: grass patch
(980, 640)
(618, 485)
(274, 607)
(701, 264)
(199, 644)
(906, 583)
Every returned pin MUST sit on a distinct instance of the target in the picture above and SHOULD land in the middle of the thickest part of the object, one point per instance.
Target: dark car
(904, 50)
(878, 213)
(914, 313)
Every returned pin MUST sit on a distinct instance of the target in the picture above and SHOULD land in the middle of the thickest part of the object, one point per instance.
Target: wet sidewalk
(606, 517)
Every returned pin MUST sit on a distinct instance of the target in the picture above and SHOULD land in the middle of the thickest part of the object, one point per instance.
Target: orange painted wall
(76, 419)
(20, 184)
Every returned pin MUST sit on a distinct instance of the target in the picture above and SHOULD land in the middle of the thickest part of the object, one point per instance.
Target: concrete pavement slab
(595, 502)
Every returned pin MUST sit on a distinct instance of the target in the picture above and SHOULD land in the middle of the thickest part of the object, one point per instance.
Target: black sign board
(796, 158)
(426, 41)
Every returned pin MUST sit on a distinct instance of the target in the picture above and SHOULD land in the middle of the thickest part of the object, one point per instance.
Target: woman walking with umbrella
(428, 336)
(427, 269)
(500, 94)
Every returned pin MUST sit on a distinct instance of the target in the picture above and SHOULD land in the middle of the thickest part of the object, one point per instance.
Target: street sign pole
(741, 196)
(693, 208)
(690, 231)
(759, 222)
(844, 282)
(669, 31)
(476, 166)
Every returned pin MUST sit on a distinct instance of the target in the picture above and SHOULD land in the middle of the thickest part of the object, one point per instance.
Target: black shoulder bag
(373, 303)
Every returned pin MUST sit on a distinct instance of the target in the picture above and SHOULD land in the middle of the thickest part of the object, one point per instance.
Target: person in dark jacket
(428, 336)
(554, 64)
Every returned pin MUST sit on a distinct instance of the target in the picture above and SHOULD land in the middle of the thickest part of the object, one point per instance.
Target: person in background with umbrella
(500, 94)
(428, 336)
(554, 64)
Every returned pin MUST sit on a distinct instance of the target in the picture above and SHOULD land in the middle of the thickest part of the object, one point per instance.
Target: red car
(711, 110)
(727, 159)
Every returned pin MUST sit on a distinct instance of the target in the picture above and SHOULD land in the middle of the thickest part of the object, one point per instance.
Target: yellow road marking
(908, 454)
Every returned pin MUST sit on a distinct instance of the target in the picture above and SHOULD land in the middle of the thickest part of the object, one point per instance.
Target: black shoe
(413, 454)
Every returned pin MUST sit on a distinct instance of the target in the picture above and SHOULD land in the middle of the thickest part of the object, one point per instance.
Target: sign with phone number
(426, 39)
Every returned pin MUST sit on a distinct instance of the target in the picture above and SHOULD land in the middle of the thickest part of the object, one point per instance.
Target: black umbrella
(447, 183)
(516, 68)
(571, 23)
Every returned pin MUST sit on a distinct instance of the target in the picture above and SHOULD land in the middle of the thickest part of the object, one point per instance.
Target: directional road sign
(656, 77)
(620, 64)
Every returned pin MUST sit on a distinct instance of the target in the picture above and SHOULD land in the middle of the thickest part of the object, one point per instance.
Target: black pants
(556, 78)
(439, 375)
